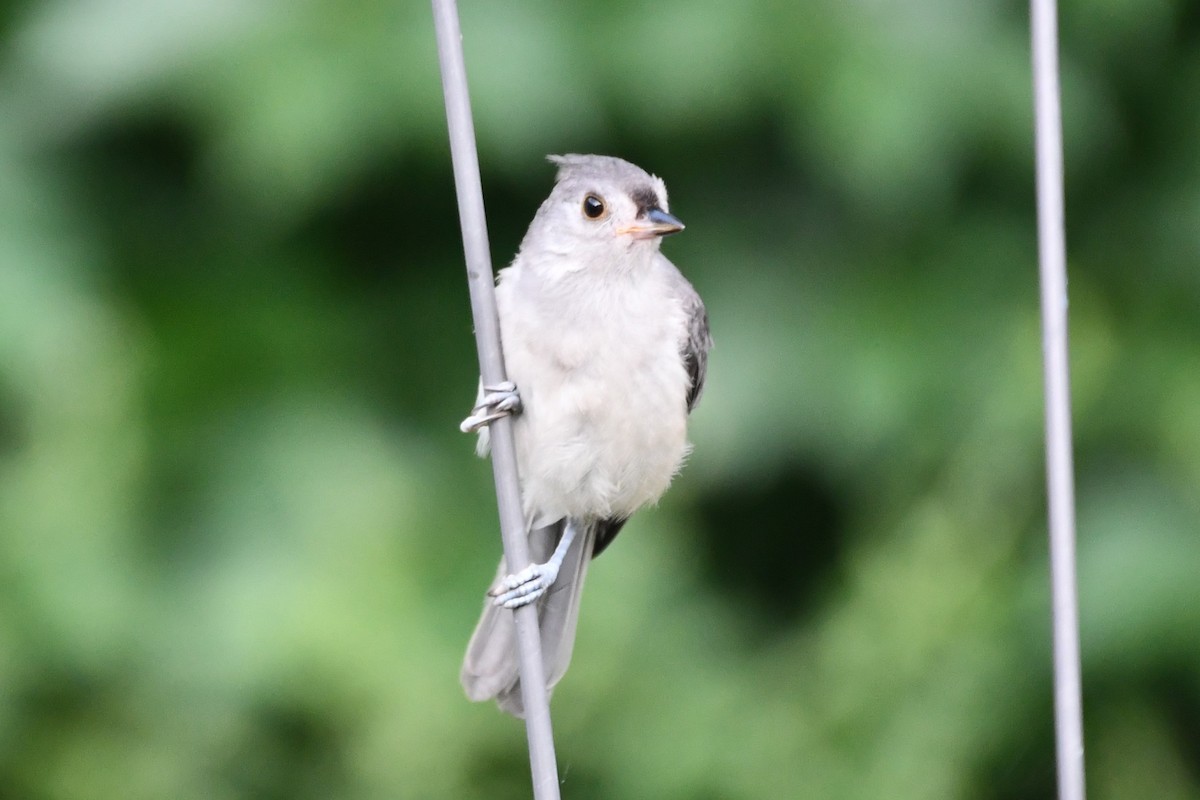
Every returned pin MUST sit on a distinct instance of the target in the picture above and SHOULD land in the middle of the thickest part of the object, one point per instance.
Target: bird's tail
(490, 667)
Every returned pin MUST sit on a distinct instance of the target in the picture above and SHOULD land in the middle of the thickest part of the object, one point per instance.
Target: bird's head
(602, 208)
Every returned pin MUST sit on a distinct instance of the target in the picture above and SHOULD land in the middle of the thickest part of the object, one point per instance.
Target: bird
(606, 349)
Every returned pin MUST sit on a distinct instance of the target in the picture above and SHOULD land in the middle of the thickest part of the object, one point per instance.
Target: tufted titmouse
(606, 346)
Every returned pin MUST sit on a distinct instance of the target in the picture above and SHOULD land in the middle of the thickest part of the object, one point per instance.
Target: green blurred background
(243, 543)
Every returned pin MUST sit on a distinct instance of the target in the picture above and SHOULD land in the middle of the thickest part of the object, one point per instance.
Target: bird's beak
(655, 223)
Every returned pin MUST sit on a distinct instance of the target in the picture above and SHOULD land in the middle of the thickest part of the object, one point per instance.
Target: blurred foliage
(243, 543)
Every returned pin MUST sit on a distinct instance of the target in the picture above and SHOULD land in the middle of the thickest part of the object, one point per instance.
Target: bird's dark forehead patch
(644, 198)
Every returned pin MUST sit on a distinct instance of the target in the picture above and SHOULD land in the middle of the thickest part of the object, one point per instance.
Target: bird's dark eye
(593, 207)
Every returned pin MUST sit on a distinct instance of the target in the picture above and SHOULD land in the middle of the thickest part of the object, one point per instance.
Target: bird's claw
(498, 401)
(523, 587)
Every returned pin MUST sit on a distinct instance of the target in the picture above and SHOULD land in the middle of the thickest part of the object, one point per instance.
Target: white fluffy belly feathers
(603, 428)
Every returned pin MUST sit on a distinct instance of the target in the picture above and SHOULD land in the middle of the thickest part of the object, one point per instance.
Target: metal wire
(491, 368)
(1060, 481)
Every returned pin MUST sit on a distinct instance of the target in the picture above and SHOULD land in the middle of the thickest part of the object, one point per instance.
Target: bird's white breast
(604, 389)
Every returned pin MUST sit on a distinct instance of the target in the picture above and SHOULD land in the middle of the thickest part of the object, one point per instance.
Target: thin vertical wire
(1060, 481)
(491, 368)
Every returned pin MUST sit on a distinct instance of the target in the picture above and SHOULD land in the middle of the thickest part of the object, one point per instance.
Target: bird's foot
(529, 584)
(523, 587)
(498, 401)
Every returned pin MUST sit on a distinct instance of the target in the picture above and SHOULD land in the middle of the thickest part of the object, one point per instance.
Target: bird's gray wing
(698, 341)
(606, 531)
(696, 347)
